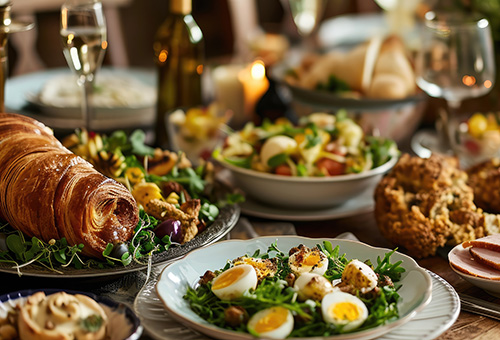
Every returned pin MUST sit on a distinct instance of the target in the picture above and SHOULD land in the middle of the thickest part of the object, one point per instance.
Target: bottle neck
(183, 7)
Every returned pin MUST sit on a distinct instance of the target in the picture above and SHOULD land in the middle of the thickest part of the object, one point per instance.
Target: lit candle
(229, 91)
(255, 84)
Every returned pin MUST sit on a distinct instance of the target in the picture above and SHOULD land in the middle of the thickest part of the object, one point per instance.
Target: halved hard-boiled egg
(306, 260)
(263, 267)
(312, 286)
(276, 145)
(360, 276)
(343, 310)
(235, 281)
(275, 323)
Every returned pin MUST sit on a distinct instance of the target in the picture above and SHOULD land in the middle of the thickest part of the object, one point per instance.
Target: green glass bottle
(179, 55)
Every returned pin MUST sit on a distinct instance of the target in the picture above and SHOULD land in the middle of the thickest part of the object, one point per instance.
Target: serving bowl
(415, 291)
(306, 192)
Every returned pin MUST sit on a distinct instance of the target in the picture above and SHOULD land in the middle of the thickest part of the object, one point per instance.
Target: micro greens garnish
(274, 291)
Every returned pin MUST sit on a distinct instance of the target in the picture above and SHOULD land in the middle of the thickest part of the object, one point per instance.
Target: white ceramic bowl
(306, 192)
(172, 284)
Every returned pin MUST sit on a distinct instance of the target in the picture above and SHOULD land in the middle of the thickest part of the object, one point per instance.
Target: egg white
(276, 145)
(343, 309)
(312, 286)
(308, 261)
(360, 276)
(234, 282)
(274, 323)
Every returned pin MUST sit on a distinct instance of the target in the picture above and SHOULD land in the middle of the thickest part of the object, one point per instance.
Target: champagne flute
(83, 34)
(455, 62)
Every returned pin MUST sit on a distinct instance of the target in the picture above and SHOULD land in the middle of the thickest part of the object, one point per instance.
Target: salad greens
(272, 291)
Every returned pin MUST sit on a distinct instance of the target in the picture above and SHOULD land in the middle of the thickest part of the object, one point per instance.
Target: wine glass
(306, 15)
(83, 34)
(455, 62)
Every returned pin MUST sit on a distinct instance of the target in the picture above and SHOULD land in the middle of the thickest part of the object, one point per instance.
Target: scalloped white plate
(171, 286)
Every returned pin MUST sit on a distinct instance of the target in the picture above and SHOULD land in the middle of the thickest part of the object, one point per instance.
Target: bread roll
(48, 192)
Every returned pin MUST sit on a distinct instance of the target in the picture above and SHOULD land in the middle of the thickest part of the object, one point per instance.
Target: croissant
(48, 192)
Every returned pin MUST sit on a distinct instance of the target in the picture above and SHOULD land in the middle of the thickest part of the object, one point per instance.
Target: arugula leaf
(137, 141)
(278, 159)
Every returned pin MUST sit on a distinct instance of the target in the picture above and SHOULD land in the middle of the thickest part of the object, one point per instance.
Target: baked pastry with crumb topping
(424, 204)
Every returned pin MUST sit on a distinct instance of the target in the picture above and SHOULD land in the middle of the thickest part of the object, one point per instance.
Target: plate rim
(233, 211)
(366, 334)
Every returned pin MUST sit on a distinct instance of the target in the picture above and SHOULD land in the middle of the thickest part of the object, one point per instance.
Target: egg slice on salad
(276, 145)
(263, 267)
(235, 281)
(343, 310)
(274, 323)
(306, 260)
(360, 276)
(312, 286)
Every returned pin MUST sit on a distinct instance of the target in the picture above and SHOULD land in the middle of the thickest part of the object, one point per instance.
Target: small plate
(415, 291)
(490, 286)
(364, 203)
(9, 301)
(223, 224)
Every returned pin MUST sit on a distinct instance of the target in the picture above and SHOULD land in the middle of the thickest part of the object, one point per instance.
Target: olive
(118, 250)
(171, 228)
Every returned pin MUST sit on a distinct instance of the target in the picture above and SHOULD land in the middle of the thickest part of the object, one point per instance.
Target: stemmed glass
(306, 15)
(83, 34)
(455, 62)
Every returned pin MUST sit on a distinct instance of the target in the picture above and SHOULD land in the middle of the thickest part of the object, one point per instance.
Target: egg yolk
(346, 311)
(274, 319)
(228, 278)
(312, 259)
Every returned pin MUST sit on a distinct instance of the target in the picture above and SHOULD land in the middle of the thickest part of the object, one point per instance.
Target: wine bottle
(179, 55)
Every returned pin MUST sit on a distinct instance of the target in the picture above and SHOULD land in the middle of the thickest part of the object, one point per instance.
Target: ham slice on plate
(461, 259)
(491, 242)
(485, 256)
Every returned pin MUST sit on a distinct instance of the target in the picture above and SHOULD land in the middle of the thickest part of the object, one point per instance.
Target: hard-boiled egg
(276, 145)
(343, 310)
(312, 286)
(275, 323)
(307, 260)
(235, 281)
(263, 267)
(360, 276)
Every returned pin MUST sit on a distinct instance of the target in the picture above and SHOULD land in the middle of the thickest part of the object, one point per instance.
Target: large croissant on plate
(48, 192)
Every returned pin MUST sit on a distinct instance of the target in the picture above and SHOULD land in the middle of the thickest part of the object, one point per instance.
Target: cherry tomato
(330, 167)
(283, 170)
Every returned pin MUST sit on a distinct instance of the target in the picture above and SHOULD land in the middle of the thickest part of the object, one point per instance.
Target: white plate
(171, 286)
(364, 203)
(21, 92)
(428, 324)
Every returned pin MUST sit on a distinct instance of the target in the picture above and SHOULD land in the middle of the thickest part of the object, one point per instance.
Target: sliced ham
(485, 256)
(461, 259)
(491, 242)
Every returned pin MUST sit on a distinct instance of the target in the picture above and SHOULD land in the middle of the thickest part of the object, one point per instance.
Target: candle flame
(487, 84)
(468, 80)
(258, 71)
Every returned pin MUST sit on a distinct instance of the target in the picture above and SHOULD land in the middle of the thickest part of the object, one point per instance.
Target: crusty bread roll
(48, 192)
(393, 75)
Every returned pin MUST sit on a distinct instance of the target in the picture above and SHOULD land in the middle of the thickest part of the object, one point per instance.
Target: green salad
(321, 145)
(304, 292)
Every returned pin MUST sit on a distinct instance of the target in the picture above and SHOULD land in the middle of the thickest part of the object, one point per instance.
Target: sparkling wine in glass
(83, 35)
(455, 62)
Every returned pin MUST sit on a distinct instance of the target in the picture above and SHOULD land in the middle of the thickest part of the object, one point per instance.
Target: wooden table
(468, 326)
